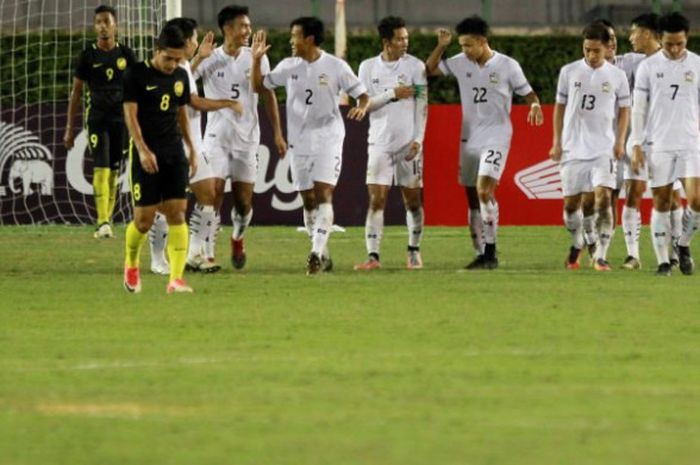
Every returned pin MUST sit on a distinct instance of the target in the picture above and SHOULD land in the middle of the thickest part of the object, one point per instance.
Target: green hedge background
(44, 69)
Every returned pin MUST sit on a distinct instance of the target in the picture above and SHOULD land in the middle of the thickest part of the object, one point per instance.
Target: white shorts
(389, 168)
(667, 167)
(239, 165)
(486, 161)
(204, 168)
(309, 169)
(579, 176)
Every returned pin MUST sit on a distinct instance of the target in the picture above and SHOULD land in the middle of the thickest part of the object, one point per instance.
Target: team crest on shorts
(322, 79)
(121, 64)
(179, 88)
(606, 87)
(493, 78)
(689, 76)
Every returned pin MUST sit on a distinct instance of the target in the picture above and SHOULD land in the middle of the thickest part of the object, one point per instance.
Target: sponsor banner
(42, 182)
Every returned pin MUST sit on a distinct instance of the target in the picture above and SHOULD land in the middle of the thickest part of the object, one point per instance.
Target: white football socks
(604, 225)
(476, 228)
(691, 223)
(661, 234)
(631, 226)
(574, 224)
(201, 222)
(415, 222)
(240, 223)
(374, 228)
(322, 228)
(489, 214)
(158, 238)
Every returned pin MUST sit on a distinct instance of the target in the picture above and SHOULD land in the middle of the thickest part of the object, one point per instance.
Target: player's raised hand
(535, 117)
(148, 160)
(638, 159)
(259, 46)
(555, 152)
(444, 37)
(236, 107)
(413, 151)
(404, 92)
(206, 48)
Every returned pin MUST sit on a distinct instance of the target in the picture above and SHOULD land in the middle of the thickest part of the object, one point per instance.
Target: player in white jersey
(397, 86)
(665, 114)
(487, 81)
(232, 140)
(202, 183)
(644, 37)
(315, 130)
(591, 94)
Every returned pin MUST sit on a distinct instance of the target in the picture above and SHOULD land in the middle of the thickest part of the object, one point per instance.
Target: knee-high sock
(661, 234)
(590, 235)
(210, 244)
(604, 225)
(676, 227)
(113, 191)
(177, 250)
(631, 226)
(574, 224)
(240, 223)
(415, 222)
(322, 228)
(691, 223)
(374, 228)
(310, 221)
(100, 184)
(157, 238)
(489, 213)
(476, 229)
(134, 242)
(201, 221)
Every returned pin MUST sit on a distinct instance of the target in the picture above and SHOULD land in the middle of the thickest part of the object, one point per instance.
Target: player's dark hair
(674, 22)
(106, 9)
(310, 26)
(171, 37)
(229, 13)
(597, 31)
(388, 25)
(473, 25)
(648, 21)
(186, 25)
(605, 23)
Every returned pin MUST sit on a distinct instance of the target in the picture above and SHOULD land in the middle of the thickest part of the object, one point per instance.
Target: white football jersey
(314, 122)
(629, 62)
(487, 97)
(393, 126)
(592, 97)
(228, 77)
(672, 89)
(194, 116)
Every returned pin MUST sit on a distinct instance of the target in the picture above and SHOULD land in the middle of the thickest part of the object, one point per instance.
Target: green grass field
(529, 364)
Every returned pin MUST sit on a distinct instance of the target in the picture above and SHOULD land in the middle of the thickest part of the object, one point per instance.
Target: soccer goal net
(40, 40)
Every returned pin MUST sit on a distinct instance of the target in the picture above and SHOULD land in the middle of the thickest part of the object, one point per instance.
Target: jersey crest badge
(247, 74)
(493, 78)
(606, 87)
(689, 76)
(121, 64)
(322, 79)
(179, 88)
(403, 80)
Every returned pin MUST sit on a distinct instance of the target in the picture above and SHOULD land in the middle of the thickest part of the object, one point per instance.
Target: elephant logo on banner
(28, 159)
